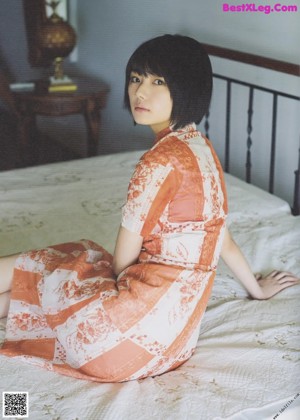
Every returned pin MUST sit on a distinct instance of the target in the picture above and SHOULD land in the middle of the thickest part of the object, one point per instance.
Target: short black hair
(184, 64)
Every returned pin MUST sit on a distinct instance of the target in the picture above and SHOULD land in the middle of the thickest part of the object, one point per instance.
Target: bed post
(249, 131)
(206, 124)
(296, 205)
(273, 144)
(227, 135)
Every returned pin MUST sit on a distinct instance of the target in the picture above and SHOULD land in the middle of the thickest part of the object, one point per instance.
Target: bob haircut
(186, 68)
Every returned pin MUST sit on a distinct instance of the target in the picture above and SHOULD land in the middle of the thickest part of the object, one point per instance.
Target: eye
(159, 82)
(134, 79)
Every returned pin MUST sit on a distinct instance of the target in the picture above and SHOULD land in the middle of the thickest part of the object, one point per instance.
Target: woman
(79, 311)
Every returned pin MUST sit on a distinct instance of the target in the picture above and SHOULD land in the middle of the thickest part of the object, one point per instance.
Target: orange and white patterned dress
(69, 313)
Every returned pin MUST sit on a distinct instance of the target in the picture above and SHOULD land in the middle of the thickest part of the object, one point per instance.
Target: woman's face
(150, 101)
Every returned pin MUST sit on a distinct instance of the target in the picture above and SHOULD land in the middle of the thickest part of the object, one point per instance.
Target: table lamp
(56, 40)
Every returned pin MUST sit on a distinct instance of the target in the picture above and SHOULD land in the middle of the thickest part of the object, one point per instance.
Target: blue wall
(108, 32)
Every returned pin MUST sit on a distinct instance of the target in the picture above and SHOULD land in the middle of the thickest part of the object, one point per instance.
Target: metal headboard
(276, 95)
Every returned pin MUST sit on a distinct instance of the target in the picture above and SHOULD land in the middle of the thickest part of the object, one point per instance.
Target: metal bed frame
(266, 63)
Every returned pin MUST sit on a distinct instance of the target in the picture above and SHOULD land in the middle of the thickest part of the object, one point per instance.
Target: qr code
(15, 404)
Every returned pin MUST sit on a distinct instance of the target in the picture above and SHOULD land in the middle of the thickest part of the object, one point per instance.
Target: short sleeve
(151, 188)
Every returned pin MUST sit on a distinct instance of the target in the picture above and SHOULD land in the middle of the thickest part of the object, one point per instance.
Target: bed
(246, 364)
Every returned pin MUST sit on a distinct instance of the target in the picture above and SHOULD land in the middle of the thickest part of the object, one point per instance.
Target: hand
(275, 281)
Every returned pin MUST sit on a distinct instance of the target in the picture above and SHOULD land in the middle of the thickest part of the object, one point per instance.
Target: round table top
(85, 87)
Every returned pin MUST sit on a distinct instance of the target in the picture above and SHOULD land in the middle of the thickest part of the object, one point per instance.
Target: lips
(141, 109)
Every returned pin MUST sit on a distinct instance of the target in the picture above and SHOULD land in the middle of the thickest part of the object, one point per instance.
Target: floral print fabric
(70, 314)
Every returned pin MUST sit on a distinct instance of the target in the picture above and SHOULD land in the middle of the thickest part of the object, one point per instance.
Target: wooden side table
(89, 99)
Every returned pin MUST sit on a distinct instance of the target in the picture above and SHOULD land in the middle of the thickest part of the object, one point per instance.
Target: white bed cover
(246, 365)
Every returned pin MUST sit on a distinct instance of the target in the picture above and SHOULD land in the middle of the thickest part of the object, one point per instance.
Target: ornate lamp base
(59, 77)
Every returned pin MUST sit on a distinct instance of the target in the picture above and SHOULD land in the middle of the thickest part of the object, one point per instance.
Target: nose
(141, 91)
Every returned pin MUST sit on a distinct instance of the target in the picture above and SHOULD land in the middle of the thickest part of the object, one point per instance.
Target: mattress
(246, 364)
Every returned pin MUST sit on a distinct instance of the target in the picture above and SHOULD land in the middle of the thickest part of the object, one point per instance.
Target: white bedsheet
(246, 365)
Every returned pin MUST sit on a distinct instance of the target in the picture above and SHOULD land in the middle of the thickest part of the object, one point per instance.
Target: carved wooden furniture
(89, 99)
(35, 17)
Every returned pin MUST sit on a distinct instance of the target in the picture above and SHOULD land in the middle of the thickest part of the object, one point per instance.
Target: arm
(127, 249)
(258, 287)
